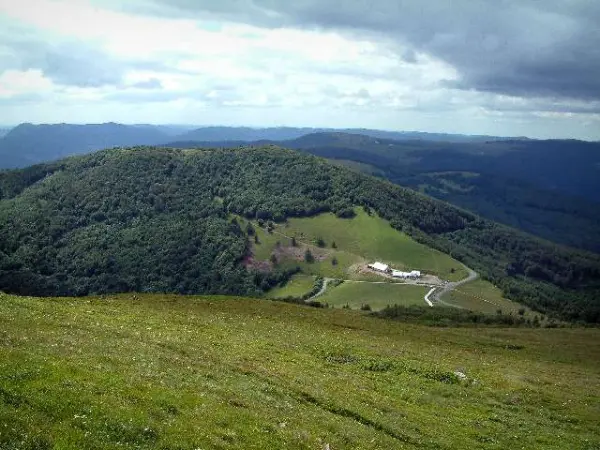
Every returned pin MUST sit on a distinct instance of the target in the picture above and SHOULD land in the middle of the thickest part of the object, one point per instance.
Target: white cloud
(182, 70)
(17, 83)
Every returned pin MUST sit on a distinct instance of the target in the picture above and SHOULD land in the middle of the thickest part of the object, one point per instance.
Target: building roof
(379, 266)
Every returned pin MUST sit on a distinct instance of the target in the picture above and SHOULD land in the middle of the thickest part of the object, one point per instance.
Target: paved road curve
(437, 295)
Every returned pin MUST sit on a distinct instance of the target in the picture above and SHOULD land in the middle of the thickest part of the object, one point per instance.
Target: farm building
(411, 274)
(380, 267)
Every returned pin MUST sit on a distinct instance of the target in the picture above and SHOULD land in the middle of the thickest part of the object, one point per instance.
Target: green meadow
(169, 372)
(377, 296)
(362, 239)
(481, 295)
(297, 286)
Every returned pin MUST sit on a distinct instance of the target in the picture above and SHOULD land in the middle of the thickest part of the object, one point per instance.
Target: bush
(308, 256)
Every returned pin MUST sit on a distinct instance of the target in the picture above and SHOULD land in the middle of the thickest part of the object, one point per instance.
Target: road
(431, 291)
(434, 295)
(323, 288)
(437, 295)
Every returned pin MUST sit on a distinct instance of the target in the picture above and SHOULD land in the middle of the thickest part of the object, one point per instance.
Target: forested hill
(547, 188)
(158, 219)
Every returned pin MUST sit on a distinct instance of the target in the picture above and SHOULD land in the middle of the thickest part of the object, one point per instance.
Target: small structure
(379, 267)
(414, 274)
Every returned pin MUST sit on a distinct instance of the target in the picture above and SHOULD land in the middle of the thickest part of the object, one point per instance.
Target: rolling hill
(546, 188)
(163, 220)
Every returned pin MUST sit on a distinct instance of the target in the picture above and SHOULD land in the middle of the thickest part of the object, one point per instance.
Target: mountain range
(547, 188)
(28, 144)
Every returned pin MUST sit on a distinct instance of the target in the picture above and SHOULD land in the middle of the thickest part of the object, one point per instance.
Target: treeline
(547, 188)
(455, 317)
(157, 220)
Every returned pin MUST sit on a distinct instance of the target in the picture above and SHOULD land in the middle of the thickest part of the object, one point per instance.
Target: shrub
(308, 256)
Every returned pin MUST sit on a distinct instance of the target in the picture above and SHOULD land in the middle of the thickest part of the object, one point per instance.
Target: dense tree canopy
(148, 219)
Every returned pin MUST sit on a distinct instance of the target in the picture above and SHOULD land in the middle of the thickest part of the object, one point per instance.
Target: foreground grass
(377, 296)
(210, 372)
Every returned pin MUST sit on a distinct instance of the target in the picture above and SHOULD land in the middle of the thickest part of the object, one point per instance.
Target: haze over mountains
(28, 144)
(292, 276)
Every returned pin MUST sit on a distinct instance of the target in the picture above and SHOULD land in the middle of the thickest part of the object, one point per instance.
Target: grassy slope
(481, 295)
(361, 239)
(377, 296)
(176, 372)
(367, 238)
(374, 239)
(297, 286)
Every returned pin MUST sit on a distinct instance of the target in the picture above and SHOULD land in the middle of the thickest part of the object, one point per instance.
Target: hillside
(154, 371)
(160, 220)
(546, 188)
(353, 241)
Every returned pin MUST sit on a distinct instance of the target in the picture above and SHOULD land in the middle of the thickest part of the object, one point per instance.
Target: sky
(497, 67)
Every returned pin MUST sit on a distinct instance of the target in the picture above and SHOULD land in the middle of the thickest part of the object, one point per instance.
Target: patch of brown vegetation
(297, 253)
(261, 266)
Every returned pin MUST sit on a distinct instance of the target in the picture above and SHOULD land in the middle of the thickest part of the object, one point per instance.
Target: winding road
(323, 288)
(437, 295)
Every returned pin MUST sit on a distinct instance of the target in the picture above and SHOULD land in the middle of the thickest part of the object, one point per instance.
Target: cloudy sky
(502, 67)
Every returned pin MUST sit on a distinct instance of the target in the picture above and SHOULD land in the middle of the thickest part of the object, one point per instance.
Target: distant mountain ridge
(28, 144)
(547, 188)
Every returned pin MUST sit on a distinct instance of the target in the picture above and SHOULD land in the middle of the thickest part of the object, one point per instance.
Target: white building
(380, 267)
(411, 274)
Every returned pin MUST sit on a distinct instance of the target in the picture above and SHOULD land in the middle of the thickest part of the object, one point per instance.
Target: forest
(151, 219)
(546, 188)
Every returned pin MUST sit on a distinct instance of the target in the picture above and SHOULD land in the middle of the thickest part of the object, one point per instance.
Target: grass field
(377, 296)
(297, 286)
(374, 239)
(359, 240)
(481, 295)
(158, 372)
